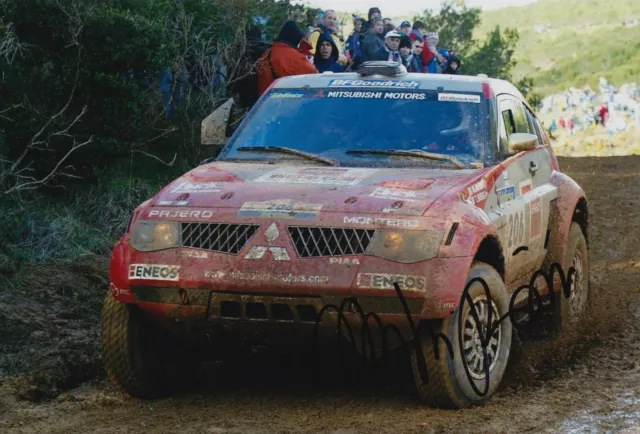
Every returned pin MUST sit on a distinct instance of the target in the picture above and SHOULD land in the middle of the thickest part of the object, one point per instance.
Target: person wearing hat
(431, 45)
(408, 59)
(326, 57)
(283, 58)
(405, 30)
(389, 50)
(373, 13)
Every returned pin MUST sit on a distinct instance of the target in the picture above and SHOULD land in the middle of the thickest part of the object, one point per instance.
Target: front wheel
(139, 356)
(476, 369)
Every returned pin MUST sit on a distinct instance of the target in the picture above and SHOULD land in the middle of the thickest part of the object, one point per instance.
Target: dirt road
(595, 387)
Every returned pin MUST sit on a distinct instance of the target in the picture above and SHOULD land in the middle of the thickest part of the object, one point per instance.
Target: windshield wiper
(290, 151)
(411, 153)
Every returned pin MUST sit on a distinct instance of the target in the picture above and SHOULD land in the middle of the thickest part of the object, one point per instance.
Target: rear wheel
(139, 356)
(461, 381)
(568, 310)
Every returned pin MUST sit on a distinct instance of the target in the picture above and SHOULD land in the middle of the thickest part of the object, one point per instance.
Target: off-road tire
(139, 356)
(563, 314)
(448, 385)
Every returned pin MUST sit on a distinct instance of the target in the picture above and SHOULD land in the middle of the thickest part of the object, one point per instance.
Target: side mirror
(213, 131)
(519, 142)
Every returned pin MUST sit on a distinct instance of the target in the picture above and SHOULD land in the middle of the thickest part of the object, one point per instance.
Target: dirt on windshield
(587, 382)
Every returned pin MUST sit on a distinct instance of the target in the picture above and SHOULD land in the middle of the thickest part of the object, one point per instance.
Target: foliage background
(85, 75)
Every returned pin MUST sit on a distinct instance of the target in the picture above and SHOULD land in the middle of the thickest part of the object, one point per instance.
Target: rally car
(395, 190)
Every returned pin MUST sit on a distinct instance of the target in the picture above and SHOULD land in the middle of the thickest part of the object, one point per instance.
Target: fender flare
(571, 205)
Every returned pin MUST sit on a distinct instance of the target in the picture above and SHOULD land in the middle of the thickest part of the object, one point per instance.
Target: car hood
(300, 190)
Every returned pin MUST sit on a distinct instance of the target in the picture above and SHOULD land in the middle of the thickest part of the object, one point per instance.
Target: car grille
(217, 237)
(317, 242)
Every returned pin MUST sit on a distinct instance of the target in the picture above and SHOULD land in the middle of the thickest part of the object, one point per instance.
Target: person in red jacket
(283, 58)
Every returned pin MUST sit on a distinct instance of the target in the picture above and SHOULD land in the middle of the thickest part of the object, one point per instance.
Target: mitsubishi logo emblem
(258, 252)
(272, 233)
(278, 253)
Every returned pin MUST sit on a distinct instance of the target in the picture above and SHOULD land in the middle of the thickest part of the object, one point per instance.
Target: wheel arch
(490, 252)
(570, 206)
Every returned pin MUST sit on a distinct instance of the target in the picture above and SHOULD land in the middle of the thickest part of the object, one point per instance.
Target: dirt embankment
(591, 382)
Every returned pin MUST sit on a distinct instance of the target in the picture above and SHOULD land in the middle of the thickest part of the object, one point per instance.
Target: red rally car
(340, 186)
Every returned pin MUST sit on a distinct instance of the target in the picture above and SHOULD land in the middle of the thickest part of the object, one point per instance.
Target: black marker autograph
(534, 308)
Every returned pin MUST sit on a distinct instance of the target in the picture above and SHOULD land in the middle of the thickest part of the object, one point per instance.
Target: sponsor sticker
(196, 187)
(195, 255)
(383, 221)
(285, 95)
(378, 95)
(386, 281)
(344, 261)
(323, 176)
(349, 94)
(280, 209)
(397, 194)
(172, 203)
(187, 214)
(265, 277)
(506, 194)
(118, 291)
(477, 193)
(154, 272)
(459, 97)
(375, 83)
(525, 187)
(536, 218)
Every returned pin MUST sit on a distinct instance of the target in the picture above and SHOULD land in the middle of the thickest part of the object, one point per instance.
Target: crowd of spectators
(323, 48)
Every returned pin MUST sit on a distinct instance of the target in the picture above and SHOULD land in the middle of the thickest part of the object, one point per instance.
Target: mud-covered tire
(139, 356)
(449, 385)
(568, 310)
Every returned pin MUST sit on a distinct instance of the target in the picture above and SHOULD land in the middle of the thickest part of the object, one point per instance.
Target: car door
(543, 193)
(521, 192)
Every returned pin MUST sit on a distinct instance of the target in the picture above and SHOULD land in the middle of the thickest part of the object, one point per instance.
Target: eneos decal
(154, 272)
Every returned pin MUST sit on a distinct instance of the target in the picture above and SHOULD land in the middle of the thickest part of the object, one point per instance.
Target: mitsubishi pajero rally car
(340, 186)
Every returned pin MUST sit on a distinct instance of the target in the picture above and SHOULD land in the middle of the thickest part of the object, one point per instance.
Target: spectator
(373, 41)
(326, 58)
(330, 24)
(387, 21)
(604, 113)
(418, 47)
(353, 46)
(389, 50)
(419, 31)
(283, 58)
(431, 45)
(388, 28)
(298, 17)
(373, 14)
(453, 65)
(409, 59)
(405, 28)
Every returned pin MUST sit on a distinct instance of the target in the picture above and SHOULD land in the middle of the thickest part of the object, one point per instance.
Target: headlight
(151, 236)
(405, 246)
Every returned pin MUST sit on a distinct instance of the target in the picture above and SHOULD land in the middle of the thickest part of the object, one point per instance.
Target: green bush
(83, 76)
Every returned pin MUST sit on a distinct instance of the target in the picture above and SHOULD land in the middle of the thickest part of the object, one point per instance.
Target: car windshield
(334, 123)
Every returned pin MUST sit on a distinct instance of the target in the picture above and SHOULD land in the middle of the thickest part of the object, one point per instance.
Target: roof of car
(459, 83)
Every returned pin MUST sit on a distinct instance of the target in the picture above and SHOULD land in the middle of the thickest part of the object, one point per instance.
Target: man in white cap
(389, 51)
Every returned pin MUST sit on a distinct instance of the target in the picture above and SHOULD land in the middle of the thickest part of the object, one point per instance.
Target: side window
(539, 130)
(507, 124)
(520, 118)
